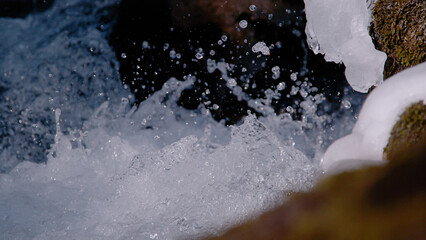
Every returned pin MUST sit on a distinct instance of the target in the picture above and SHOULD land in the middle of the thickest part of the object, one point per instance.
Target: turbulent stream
(79, 161)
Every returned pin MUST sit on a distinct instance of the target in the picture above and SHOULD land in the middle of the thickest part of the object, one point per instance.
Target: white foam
(117, 180)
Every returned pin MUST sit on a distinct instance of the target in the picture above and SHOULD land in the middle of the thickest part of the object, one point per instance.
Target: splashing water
(119, 172)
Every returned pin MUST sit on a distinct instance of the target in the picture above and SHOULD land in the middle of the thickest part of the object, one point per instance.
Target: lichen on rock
(410, 129)
(398, 29)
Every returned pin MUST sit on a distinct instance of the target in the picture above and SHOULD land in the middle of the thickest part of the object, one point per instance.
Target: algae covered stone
(410, 129)
(399, 30)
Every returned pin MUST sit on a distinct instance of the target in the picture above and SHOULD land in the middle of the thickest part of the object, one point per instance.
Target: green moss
(398, 29)
(409, 130)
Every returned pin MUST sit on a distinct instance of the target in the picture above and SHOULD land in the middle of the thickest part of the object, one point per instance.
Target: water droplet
(166, 46)
(281, 86)
(145, 45)
(215, 106)
(276, 72)
(261, 47)
(172, 54)
(294, 90)
(232, 82)
(199, 55)
(276, 69)
(346, 104)
(243, 24)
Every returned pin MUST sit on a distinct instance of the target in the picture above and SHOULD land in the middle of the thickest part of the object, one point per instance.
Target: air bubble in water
(293, 76)
(252, 7)
(224, 38)
(123, 55)
(243, 24)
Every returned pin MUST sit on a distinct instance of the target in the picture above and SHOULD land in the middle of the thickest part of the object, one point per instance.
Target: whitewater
(79, 161)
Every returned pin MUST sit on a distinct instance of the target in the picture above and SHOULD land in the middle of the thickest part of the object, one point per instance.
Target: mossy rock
(398, 29)
(408, 131)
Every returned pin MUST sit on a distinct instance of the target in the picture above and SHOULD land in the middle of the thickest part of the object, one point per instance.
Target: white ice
(378, 115)
(339, 30)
